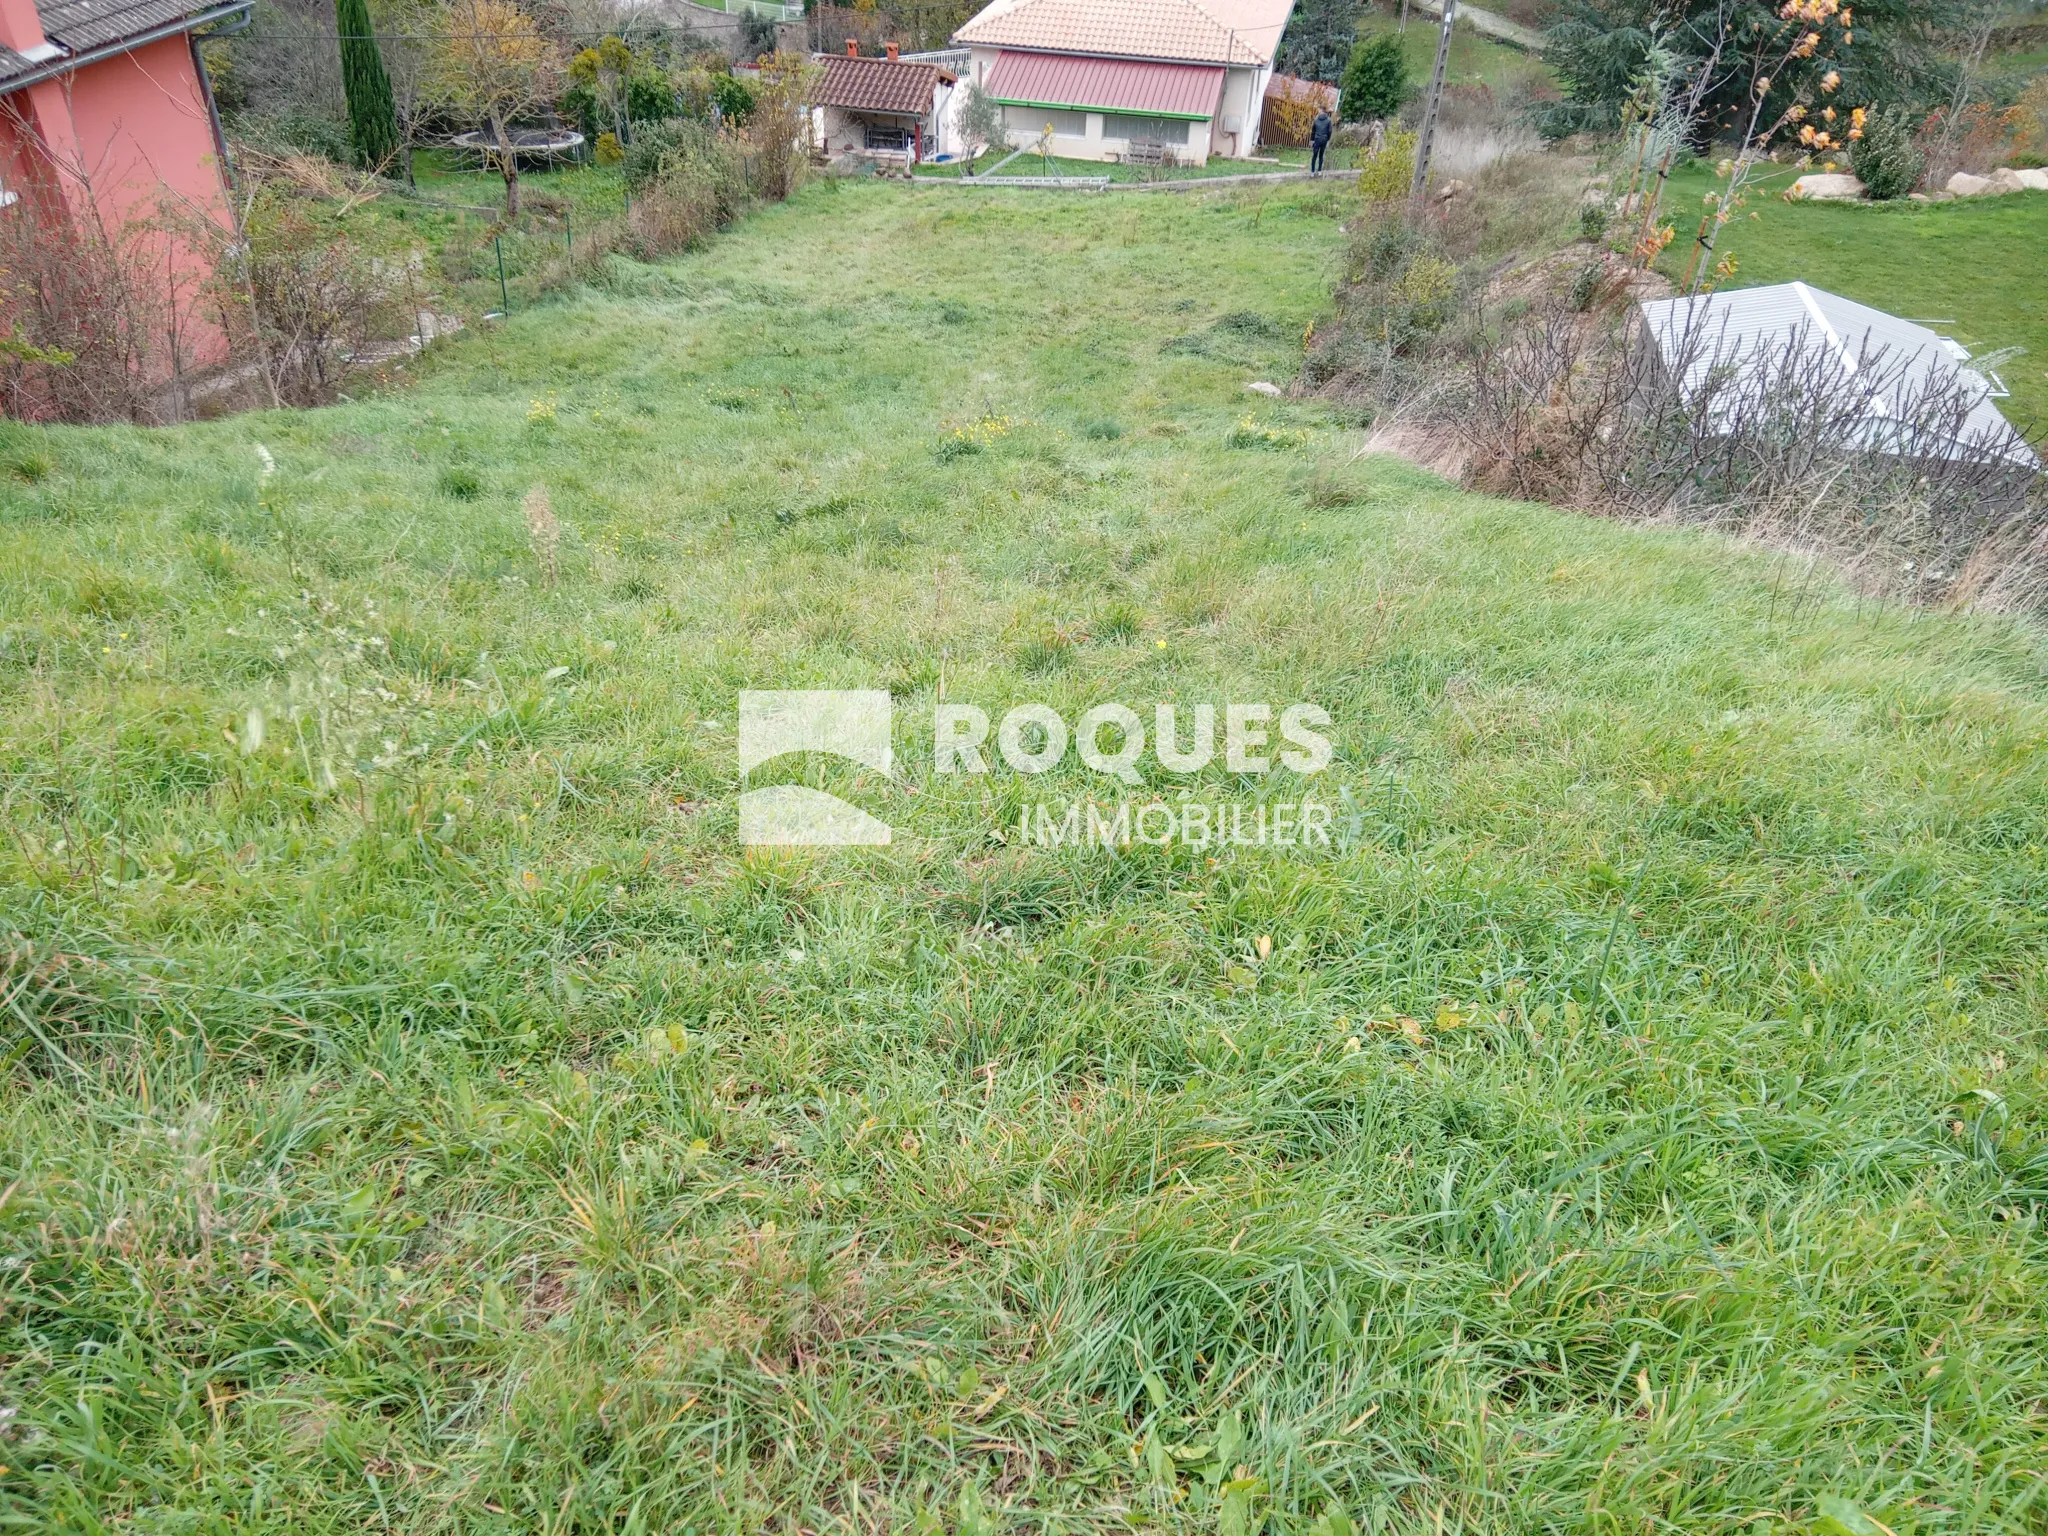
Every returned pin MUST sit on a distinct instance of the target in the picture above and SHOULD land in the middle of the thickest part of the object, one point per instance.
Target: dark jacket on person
(1319, 133)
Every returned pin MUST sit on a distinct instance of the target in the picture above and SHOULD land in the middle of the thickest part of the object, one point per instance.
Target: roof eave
(71, 62)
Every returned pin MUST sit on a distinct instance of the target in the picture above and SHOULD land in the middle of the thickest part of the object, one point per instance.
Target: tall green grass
(420, 1115)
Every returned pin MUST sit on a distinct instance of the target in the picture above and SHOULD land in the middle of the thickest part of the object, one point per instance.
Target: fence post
(568, 234)
(504, 298)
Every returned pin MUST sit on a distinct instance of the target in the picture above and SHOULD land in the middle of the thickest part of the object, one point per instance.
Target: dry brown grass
(544, 534)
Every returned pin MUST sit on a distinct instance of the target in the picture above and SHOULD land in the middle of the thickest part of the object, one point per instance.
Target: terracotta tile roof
(78, 25)
(1107, 85)
(1200, 31)
(876, 85)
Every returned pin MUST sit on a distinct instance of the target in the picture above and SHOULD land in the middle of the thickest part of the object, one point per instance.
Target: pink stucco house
(106, 118)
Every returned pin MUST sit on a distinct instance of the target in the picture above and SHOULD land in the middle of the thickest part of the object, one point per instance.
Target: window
(892, 136)
(1157, 130)
(7, 197)
(1031, 121)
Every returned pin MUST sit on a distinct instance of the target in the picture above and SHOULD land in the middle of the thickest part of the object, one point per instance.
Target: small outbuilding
(888, 107)
(1290, 109)
(1918, 393)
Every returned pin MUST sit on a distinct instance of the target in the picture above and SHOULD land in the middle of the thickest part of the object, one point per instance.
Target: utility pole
(1425, 141)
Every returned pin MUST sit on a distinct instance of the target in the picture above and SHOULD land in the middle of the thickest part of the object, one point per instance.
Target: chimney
(892, 52)
(853, 47)
(21, 29)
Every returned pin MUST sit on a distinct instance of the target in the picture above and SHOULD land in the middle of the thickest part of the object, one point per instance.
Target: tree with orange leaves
(491, 65)
(1805, 39)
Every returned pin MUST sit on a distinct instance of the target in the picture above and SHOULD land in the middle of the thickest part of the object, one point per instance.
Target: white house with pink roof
(1121, 79)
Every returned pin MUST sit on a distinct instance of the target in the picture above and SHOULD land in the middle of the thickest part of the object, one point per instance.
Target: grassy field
(1475, 59)
(1973, 265)
(455, 215)
(420, 1114)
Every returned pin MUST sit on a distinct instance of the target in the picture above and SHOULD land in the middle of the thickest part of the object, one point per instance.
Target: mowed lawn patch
(1971, 268)
(422, 1115)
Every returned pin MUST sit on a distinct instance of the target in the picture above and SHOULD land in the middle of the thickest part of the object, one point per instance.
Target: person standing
(1318, 141)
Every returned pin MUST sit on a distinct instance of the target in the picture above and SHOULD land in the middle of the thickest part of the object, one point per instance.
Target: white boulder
(1963, 184)
(2033, 181)
(1821, 187)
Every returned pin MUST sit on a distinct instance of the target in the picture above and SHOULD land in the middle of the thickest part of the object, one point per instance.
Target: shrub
(777, 135)
(607, 150)
(981, 118)
(1586, 284)
(678, 211)
(1887, 158)
(1376, 79)
(680, 150)
(306, 133)
(83, 328)
(732, 98)
(321, 297)
(1384, 176)
(650, 97)
(687, 180)
(1593, 221)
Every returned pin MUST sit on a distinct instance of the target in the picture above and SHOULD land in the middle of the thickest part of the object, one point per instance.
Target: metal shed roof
(1750, 327)
(1105, 85)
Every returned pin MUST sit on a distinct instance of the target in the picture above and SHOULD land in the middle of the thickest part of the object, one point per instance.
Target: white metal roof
(1714, 332)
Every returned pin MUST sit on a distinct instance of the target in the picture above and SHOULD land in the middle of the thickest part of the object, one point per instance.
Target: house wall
(946, 133)
(1237, 113)
(145, 137)
(129, 141)
(1092, 138)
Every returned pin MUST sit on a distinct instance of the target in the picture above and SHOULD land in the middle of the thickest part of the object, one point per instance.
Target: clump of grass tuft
(1103, 429)
(1120, 623)
(461, 482)
(1327, 490)
(1045, 653)
(28, 466)
(215, 558)
(106, 594)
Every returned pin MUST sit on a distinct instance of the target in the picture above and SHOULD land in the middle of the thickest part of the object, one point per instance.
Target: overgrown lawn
(422, 1115)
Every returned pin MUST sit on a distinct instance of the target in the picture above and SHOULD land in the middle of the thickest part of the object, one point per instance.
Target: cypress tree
(372, 118)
